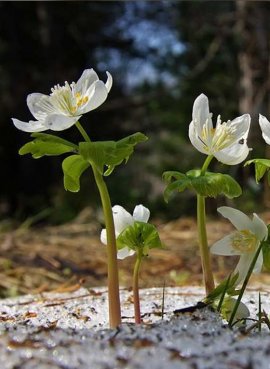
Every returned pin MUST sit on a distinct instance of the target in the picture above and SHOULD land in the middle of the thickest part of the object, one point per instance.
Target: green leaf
(45, 144)
(97, 153)
(266, 258)
(208, 185)
(214, 184)
(73, 167)
(179, 183)
(140, 237)
(266, 250)
(109, 154)
(261, 167)
(169, 176)
(218, 291)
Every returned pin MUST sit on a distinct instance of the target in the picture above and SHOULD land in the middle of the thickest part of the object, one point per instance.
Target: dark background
(162, 55)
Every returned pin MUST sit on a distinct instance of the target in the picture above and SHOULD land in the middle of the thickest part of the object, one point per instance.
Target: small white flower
(226, 141)
(66, 104)
(243, 242)
(265, 127)
(123, 219)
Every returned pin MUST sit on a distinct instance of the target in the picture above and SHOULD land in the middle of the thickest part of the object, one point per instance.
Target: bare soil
(65, 257)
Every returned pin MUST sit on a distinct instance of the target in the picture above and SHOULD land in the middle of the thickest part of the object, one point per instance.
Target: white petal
(103, 236)
(109, 82)
(87, 78)
(233, 155)
(240, 220)
(39, 105)
(259, 264)
(265, 127)
(224, 247)
(31, 126)
(122, 219)
(200, 112)
(89, 94)
(259, 228)
(196, 142)
(124, 252)
(243, 266)
(60, 122)
(96, 98)
(241, 125)
(141, 213)
(242, 310)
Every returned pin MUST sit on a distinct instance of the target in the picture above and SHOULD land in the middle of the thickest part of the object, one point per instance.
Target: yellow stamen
(244, 241)
(82, 101)
(65, 99)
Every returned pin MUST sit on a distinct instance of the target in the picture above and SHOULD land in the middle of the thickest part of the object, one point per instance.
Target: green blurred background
(162, 55)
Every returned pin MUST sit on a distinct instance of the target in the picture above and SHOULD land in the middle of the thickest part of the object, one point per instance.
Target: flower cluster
(125, 234)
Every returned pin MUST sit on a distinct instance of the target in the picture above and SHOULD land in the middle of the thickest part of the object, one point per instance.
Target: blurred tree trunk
(254, 65)
(44, 29)
(244, 58)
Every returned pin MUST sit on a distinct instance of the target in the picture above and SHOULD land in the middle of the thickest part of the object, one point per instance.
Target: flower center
(217, 139)
(223, 137)
(66, 99)
(80, 101)
(244, 241)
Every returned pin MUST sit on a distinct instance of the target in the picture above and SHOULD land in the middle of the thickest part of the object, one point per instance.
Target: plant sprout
(134, 236)
(226, 141)
(59, 111)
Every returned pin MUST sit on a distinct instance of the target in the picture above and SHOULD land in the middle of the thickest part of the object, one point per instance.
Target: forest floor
(64, 258)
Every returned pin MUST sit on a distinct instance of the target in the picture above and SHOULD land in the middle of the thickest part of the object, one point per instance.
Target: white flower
(66, 104)
(265, 127)
(123, 219)
(243, 242)
(226, 141)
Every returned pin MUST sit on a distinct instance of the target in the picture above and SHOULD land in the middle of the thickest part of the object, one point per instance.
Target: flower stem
(135, 287)
(204, 249)
(113, 281)
(206, 164)
(244, 285)
(224, 293)
(83, 132)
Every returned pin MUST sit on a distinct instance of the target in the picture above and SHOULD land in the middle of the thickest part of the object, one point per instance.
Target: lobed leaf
(47, 145)
(109, 154)
(139, 236)
(214, 184)
(97, 153)
(73, 166)
(169, 176)
(208, 185)
(261, 167)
